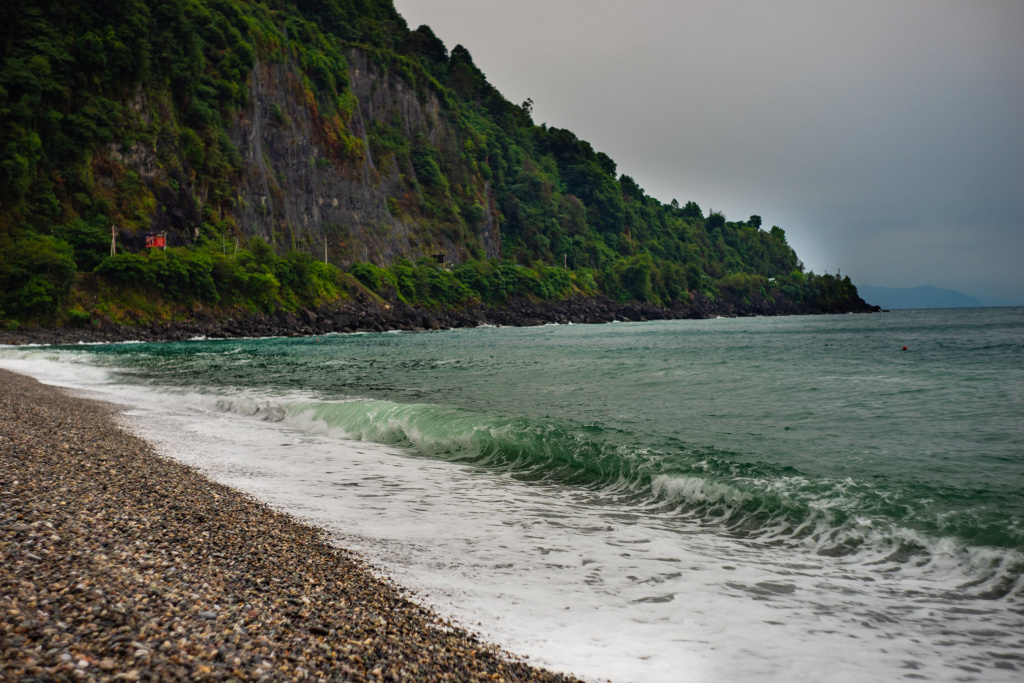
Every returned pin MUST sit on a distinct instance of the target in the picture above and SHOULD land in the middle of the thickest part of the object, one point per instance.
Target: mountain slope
(326, 128)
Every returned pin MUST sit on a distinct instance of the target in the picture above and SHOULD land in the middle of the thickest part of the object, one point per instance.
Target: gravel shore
(118, 564)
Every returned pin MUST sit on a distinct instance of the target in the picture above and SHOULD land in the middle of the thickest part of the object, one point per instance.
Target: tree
(36, 274)
(424, 42)
(715, 221)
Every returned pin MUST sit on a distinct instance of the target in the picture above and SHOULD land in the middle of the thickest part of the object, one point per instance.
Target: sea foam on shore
(119, 563)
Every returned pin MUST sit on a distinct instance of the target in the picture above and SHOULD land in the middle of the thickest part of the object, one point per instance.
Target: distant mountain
(925, 296)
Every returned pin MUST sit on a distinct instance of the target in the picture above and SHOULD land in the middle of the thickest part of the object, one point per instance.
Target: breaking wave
(889, 527)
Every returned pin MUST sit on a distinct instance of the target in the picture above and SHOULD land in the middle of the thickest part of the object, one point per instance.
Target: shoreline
(363, 314)
(120, 564)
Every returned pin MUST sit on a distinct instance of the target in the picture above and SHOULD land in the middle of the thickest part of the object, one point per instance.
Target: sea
(809, 498)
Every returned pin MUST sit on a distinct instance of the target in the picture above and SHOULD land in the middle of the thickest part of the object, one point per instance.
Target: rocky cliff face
(294, 193)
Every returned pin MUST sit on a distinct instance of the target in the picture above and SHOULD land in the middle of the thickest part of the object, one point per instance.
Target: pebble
(92, 520)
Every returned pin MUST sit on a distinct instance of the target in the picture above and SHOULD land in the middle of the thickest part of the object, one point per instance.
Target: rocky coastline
(117, 564)
(365, 314)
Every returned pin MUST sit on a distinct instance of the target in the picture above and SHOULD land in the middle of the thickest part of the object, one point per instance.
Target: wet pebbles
(119, 565)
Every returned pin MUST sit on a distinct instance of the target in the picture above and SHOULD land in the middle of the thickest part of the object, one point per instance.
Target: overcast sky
(886, 137)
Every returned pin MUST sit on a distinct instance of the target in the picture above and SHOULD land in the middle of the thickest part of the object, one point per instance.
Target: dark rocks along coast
(363, 314)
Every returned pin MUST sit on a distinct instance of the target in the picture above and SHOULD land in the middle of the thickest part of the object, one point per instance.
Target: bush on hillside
(36, 274)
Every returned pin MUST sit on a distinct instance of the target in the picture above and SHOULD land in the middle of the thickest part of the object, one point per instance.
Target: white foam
(569, 576)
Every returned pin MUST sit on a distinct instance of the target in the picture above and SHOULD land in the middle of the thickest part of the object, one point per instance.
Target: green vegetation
(122, 115)
(36, 274)
(254, 279)
(427, 284)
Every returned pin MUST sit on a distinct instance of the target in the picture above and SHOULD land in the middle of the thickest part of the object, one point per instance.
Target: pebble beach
(117, 564)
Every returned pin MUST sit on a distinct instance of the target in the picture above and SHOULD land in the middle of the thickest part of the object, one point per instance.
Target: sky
(885, 137)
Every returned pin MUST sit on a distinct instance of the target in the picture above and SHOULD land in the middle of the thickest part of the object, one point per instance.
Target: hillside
(296, 152)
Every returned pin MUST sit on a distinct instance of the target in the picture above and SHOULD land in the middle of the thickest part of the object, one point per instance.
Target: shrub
(36, 274)
(77, 317)
(556, 282)
(428, 171)
(373, 277)
(476, 277)
(308, 280)
(631, 279)
(742, 286)
(436, 285)
(131, 270)
(183, 276)
(90, 240)
(583, 279)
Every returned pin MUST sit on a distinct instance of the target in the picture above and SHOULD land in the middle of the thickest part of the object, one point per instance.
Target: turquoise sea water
(780, 420)
(816, 439)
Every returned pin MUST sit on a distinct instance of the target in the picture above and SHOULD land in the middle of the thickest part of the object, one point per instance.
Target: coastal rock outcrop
(361, 314)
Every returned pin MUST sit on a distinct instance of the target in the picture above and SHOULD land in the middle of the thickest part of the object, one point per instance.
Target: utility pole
(113, 241)
(565, 261)
(325, 250)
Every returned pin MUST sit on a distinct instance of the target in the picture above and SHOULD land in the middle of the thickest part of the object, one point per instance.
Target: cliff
(292, 192)
(279, 145)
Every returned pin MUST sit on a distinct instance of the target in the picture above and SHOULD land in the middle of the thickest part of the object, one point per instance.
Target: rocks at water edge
(362, 314)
